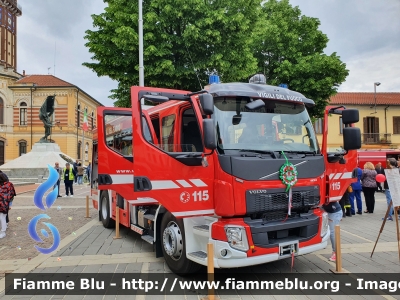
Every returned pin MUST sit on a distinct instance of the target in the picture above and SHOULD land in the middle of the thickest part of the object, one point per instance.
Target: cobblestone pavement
(93, 250)
(67, 215)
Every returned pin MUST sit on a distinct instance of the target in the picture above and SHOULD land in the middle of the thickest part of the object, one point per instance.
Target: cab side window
(146, 131)
(191, 140)
(118, 130)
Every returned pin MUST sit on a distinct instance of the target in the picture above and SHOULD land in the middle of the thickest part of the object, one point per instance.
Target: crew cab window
(167, 131)
(118, 130)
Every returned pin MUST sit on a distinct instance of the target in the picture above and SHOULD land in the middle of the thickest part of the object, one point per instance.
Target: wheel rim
(104, 208)
(173, 240)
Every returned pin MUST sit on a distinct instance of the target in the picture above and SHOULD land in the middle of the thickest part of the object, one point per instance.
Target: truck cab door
(115, 152)
(169, 171)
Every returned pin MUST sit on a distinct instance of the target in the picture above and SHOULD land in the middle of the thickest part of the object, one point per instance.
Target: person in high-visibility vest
(69, 175)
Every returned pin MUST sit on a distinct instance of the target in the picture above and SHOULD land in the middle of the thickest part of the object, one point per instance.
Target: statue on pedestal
(45, 113)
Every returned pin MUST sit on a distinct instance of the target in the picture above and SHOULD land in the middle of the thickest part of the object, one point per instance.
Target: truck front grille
(272, 204)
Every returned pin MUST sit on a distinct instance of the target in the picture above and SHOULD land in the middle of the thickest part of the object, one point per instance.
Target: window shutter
(396, 125)
(376, 125)
(365, 125)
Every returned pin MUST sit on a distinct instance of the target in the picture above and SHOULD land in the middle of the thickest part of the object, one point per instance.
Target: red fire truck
(377, 156)
(209, 166)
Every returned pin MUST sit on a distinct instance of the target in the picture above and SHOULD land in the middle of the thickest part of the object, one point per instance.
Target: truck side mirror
(351, 138)
(350, 116)
(207, 103)
(210, 140)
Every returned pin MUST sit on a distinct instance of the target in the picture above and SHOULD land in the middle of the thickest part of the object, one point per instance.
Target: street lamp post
(141, 67)
(375, 85)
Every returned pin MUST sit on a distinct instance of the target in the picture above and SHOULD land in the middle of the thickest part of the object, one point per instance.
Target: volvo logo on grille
(258, 192)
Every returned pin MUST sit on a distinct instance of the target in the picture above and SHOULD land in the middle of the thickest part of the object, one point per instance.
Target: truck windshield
(278, 126)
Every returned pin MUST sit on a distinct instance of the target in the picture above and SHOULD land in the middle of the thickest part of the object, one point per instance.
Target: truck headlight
(237, 238)
(325, 224)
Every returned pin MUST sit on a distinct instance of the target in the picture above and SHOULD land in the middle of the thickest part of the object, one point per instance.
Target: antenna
(193, 67)
(48, 70)
(55, 43)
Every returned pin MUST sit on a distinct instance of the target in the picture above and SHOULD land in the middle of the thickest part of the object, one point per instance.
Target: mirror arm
(197, 93)
(208, 154)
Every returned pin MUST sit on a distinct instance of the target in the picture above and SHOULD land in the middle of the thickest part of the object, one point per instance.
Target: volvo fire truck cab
(204, 167)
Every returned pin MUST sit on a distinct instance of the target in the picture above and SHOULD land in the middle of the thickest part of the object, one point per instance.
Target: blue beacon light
(213, 79)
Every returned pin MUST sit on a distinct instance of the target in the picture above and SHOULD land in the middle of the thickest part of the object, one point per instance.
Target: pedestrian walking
(368, 180)
(7, 194)
(80, 173)
(335, 214)
(59, 171)
(69, 176)
(379, 170)
(356, 193)
(391, 163)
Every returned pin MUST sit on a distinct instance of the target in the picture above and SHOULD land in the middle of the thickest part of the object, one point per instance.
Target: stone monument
(45, 113)
(32, 166)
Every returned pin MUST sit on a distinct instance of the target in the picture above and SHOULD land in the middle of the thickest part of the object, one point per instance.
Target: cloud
(51, 40)
(364, 33)
(370, 67)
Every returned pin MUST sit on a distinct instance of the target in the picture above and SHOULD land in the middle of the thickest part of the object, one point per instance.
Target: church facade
(21, 97)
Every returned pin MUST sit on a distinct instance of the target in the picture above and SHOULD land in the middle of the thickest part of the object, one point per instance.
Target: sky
(364, 33)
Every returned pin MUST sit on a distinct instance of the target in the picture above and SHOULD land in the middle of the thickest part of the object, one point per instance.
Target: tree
(289, 49)
(182, 40)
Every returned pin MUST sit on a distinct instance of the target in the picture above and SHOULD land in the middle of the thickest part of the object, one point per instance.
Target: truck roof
(256, 91)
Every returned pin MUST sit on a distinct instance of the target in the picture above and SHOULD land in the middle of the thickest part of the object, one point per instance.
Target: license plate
(288, 248)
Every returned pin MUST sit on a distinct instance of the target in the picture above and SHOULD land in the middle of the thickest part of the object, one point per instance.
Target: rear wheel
(173, 246)
(105, 212)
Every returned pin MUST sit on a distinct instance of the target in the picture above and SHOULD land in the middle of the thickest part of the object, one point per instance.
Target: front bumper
(236, 259)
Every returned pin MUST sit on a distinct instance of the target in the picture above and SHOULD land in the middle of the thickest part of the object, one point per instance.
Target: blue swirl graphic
(41, 190)
(50, 199)
(32, 232)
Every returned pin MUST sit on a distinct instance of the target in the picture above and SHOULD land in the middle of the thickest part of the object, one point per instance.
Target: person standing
(7, 194)
(379, 170)
(356, 193)
(7, 219)
(368, 180)
(59, 171)
(69, 176)
(75, 167)
(80, 173)
(335, 214)
(391, 163)
(88, 170)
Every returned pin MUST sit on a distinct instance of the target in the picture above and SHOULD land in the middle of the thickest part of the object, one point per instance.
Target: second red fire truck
(236, 164)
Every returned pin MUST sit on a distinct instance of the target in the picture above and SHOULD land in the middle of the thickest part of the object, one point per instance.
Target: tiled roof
(366, 98)
(43, 80)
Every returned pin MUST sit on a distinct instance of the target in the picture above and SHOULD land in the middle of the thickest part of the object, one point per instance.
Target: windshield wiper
(300, 152)
(272, 153)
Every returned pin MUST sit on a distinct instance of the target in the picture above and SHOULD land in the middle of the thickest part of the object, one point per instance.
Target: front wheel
(173, 246)
(105, 212)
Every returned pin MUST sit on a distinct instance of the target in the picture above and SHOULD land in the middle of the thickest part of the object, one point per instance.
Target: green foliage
(236, 38)
(180, 36)
(289, 49)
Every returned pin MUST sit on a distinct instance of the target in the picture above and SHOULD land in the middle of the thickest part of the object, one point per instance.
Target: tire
(174, 247)
(105, 213)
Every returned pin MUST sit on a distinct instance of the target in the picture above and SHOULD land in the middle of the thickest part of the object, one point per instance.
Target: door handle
(104, 179)
(141, 184)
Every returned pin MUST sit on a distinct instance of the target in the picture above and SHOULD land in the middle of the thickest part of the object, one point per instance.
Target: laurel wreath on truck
(288, 175)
